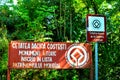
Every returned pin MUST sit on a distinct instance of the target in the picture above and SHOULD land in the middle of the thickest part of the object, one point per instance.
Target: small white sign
(96, 23)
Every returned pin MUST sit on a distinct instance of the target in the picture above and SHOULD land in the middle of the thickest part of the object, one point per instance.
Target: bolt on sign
(96, 28)
(49, 55)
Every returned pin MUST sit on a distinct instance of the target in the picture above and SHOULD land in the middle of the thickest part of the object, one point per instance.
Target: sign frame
(96, 35)
(19, 53)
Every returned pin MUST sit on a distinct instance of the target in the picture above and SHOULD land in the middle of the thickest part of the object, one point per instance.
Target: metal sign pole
(96, 61)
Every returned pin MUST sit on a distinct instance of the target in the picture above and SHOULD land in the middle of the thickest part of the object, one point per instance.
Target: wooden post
(91, 72)
(8, 74)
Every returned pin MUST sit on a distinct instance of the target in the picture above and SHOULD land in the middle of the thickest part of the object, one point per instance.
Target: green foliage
(3, 51)
(30, 19)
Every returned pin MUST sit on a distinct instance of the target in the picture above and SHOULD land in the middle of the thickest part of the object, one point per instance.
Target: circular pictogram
(77, 56)
(96, 23)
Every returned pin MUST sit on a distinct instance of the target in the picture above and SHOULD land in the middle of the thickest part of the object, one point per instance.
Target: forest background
(59, 21)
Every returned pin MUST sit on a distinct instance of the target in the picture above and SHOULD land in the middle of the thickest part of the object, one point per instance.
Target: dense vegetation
(59, 20)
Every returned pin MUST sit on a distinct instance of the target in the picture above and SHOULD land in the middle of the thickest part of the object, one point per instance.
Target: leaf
(99, 1)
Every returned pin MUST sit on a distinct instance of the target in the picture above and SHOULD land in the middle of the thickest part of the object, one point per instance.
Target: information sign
(96, 28)
(49, 55)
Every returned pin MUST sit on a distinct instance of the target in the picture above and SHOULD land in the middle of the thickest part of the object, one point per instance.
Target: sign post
(96, 32)
(8, 74)
(96, 61)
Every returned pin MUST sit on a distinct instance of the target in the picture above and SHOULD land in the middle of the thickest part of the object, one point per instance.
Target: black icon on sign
(96, 23)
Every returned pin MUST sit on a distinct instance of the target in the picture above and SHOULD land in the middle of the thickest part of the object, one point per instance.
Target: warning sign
(49, 55)
(96, 28)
